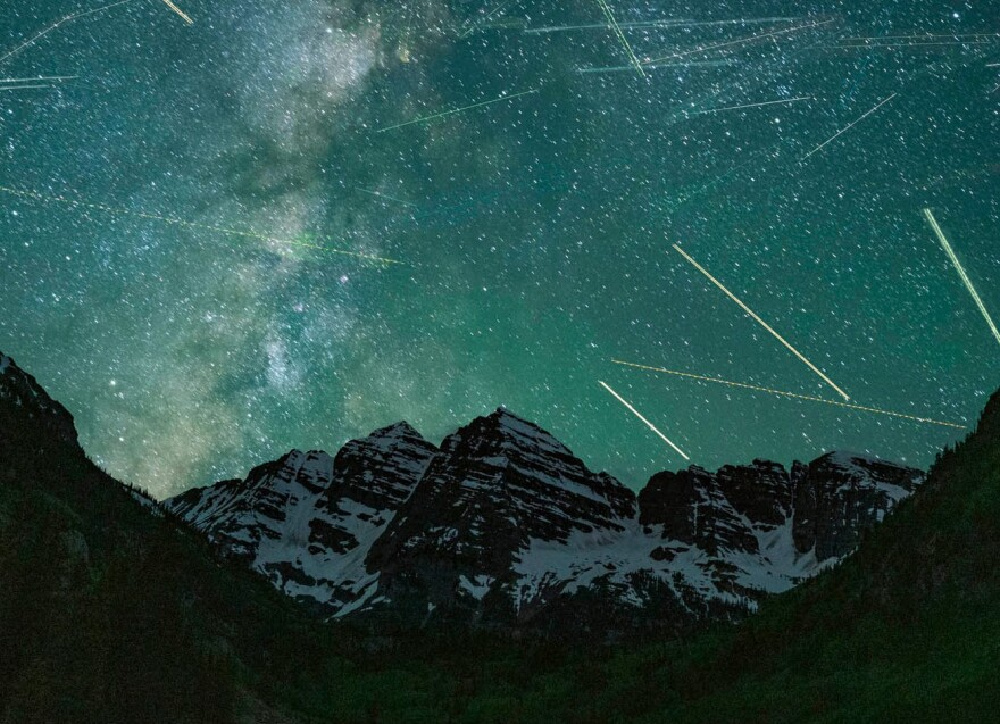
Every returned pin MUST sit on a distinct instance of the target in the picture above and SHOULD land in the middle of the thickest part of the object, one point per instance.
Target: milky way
(286, 224)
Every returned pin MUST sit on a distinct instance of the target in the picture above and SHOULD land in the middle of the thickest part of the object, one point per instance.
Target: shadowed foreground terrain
(112, 611)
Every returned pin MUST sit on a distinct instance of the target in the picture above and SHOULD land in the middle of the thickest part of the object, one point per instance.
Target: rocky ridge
(502, 525)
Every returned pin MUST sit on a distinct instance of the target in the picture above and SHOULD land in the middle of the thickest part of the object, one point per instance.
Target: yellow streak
(456, 110)
(849, 126)
(782, 393)
(180, 12)
(752, 38)
(61, 21)
(621, 36)
(650, 425)
(961, 272)
(190, 224)
(761, 322)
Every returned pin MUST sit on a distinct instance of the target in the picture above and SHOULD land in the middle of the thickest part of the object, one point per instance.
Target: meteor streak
(423, 119)
(385, 196)
(689, 64)
(961, 272)
(761, 322)
(189, 224)
(38, 78)
(753, 105)
(752, 38)
(793, 395)
(61, 21)
(621, 36)
(849, 126)
(650, 425)
(180, 12)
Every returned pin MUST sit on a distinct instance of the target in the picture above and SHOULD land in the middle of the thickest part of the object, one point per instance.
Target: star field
(287, 224)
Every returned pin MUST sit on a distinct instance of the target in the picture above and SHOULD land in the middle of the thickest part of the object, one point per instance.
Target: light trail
(665, 23)
(689, 64)
(473, 26)
(61, 21)
(180, 12)
(961, 272)
(621, 36)
(753, 105)
(424, 119)
(761, 322)
(752, 38)
(849, 126)
(25, 87)
(385, 196)
(793, 395)
(605, 26)
(39, 77)
(909, 45)
(34, 195)
(650, 425)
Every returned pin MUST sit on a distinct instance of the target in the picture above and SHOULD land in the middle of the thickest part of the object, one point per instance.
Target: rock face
(501, 525)
(307, 521)
(841, 495)
(21, 389)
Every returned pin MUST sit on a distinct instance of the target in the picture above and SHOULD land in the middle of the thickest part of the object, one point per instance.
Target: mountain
(112, 611)
(501, 525)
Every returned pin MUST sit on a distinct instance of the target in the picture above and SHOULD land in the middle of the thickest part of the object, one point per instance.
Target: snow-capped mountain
(502, 525)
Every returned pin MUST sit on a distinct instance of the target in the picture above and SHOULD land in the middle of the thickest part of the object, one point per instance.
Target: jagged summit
(401, 429)
(502, 523)
(24, 391)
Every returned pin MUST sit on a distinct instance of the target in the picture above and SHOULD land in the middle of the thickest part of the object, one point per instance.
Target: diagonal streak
(650, 425)
(782, 393)
(761, 322)
(621, 37)
(961, 272)
(422, 119)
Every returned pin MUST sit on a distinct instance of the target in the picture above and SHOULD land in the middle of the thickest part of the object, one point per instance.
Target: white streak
(650, 425)
(761, 322)
(961, 272)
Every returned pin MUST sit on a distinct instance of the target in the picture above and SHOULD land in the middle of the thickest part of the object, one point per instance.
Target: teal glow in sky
(192, 218)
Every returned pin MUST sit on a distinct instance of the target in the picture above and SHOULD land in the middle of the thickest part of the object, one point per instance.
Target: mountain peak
(397, 430)
(22, 390)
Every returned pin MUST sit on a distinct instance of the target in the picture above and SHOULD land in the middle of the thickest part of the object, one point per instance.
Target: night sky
(200, 229)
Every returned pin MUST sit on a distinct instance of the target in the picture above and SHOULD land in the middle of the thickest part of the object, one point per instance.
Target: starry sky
(282, 224)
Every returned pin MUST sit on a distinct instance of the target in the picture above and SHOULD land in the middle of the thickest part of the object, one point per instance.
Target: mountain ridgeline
(114, 609)
(502, 526)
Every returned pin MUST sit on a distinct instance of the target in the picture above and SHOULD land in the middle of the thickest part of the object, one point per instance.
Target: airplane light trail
(180, 12)
(650, 425)
(753, 105)
(621, 36)
(53, 26)
(849, 126)
(793, 395)
(761, 322)
(190, 224)
(422, 119)
(961, 272)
